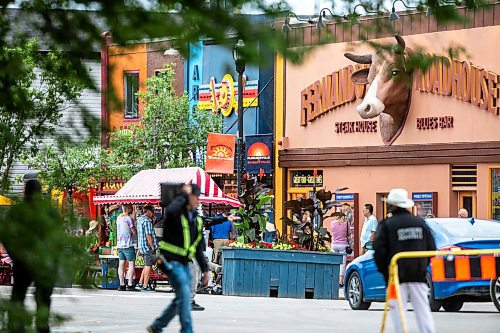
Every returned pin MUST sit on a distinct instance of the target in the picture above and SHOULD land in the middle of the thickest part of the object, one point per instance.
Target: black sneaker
(196, 307)
(130, 288)
(122, 288)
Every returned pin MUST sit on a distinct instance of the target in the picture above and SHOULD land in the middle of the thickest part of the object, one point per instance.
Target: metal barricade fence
(461, 265)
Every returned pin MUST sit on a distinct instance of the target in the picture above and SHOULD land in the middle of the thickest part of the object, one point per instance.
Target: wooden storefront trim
(480, 152)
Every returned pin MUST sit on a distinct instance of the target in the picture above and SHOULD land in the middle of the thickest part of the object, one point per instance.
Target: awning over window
(144, 187)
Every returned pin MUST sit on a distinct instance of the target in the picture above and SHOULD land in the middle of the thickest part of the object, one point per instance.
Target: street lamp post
(240, 68)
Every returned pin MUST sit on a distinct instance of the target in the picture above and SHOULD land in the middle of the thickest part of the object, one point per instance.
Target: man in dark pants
(405, 232)
(34, 236)
(182, 240)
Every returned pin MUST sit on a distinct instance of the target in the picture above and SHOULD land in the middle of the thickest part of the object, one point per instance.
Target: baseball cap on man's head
(195, 190)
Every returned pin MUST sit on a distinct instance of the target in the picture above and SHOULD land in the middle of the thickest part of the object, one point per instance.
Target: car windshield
(462, 228)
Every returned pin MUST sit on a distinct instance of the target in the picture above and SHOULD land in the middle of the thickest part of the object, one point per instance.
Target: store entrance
(467, 200)
(381, 208)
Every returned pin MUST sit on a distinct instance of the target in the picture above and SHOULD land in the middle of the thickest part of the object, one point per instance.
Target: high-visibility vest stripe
(462, 269)
(437, 265)
(488, 267)
(189, 249)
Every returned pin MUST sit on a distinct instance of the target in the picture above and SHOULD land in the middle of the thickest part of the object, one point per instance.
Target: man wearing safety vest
(182, 241)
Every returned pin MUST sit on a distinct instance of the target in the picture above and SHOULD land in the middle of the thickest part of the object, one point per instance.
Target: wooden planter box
(279, 273)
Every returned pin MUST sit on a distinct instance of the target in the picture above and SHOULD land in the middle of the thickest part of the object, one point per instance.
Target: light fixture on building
(171, 52)
(394, 16)
(286, 26)
(322, 16)
(354, 17)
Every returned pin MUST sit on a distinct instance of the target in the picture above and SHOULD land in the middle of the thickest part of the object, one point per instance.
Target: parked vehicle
(365, 284)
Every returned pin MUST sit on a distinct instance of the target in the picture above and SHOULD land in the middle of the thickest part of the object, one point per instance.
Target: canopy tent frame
(144, 187)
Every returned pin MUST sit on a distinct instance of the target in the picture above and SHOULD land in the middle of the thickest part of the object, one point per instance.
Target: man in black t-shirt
(405, 232)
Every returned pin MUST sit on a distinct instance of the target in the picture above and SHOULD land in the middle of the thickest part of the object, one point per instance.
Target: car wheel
(495, 292)
(434, 304)
(452, 305)
(355, 293)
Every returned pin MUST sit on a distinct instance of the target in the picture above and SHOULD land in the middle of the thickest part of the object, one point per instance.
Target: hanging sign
(259, 154)
(220, 153)
(305, 178)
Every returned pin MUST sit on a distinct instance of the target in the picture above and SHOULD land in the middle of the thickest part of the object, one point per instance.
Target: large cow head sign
(389, 94)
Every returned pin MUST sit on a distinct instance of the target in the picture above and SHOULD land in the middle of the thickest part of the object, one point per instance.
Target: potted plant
(284, 269)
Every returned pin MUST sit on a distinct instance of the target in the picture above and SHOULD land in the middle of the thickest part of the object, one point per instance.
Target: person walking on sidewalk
(405, 232)
(182, 240)
(126, 251)
(148, 245)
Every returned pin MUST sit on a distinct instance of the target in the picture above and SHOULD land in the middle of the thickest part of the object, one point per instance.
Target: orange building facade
(446, 153)
(127, 68)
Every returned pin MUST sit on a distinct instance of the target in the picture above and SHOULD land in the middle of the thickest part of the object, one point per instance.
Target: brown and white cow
(389, 94)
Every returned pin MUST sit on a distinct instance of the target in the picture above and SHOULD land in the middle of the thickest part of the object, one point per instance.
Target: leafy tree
(168, 135)
(35, 105)
(67, 167)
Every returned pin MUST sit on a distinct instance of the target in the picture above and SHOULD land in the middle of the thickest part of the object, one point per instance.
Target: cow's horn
(360, 59)
(401, 42)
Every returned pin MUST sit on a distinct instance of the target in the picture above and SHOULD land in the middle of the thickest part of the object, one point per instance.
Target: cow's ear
(360, 76)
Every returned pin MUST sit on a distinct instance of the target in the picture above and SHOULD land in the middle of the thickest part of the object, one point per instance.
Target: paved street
(129, 312)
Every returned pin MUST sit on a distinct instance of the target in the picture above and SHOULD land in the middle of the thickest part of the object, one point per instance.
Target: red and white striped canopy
(144, 187)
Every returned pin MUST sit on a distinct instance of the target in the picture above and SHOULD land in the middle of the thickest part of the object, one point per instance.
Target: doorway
(467, 200)
(381, 208)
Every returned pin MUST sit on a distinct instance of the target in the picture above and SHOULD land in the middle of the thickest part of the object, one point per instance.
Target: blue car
(365, 284)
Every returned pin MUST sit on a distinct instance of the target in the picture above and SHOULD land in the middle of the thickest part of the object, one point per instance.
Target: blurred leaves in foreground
(46, 249)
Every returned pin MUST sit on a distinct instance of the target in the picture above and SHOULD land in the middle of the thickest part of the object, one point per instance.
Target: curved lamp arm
(286, 26)
(322, 16)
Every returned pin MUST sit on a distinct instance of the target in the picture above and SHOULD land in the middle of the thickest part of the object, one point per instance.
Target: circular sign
(258, 149)
(226, 95)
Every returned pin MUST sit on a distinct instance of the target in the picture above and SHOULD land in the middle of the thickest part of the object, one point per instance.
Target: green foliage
(37, 237)
(43, 87)
(307, 216)
(168, 134)
(68, 166)
(253, 200)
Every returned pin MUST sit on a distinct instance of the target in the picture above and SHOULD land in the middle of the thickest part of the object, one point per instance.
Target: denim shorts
(127, 254)
(149, 258)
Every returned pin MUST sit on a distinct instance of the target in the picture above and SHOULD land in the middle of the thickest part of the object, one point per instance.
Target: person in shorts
(126, 252)
(148, 244)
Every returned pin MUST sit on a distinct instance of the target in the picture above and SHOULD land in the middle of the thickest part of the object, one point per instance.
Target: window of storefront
(131, 100)
(495, 193)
